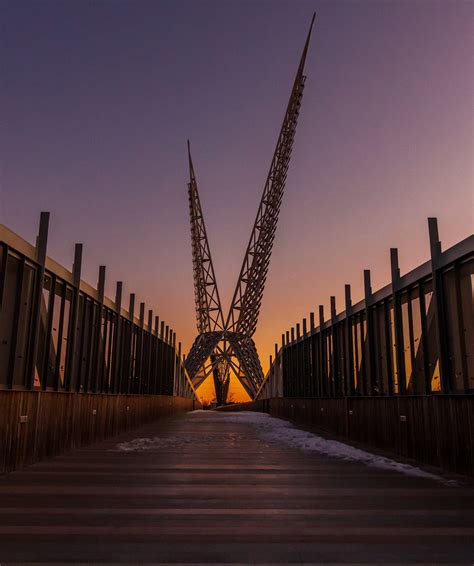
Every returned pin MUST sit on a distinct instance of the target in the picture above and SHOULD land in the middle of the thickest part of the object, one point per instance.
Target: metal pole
(41, 245)
(349, 381)
(372, 380)
(71, 350)
(335, 382)
(441, 336)
(132, 346)
(322, 358)
(313, 362)
(98, 385)
(117, 354)
(397, 320)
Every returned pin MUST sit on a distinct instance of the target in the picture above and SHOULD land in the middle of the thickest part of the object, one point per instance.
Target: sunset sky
(97, 100)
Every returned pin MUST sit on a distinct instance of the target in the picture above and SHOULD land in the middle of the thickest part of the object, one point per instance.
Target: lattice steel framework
(229, 345)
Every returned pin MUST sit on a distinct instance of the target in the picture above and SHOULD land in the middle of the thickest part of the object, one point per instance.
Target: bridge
(357, 445)
(110, 462)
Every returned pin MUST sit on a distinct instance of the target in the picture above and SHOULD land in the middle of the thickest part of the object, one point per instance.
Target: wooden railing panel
(36, 425)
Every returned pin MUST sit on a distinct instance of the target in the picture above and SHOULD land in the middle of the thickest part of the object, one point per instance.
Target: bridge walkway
(206, 488)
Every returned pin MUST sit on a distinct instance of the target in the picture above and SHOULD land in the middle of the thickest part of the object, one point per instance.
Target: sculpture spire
(228, 344)
(206, 294)
(245, 308)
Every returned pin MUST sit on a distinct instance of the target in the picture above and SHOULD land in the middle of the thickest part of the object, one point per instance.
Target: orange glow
(237, 393)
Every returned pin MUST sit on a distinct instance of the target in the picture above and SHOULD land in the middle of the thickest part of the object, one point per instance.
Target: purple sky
(98, 98)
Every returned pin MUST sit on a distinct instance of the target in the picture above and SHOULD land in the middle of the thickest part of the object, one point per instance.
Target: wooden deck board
(216, 493)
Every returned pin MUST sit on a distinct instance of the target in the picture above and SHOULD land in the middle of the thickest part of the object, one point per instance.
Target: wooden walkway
(211, 491)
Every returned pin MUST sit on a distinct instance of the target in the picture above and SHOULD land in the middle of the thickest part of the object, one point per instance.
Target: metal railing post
(441, 336)
(41, 246)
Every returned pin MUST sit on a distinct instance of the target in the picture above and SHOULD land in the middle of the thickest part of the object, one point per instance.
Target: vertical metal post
(98, 378)
(372, 381)
(70, 369)
(57, 368)
(156, 366)
(166, 360)
(413, 388)
(179, 382)
(187, 392)
(304, 360)
(389, 348)
(101, 284)
(141, 350)
(335, 382)
(273, 390)
(441, 337)
(108, 349)
(349, 380)
(299, 366)
(131, 368)
(149, 340)
(313, 362)
(173, 360)
(284, 366)
(322, 357)
(292, 364)
(462, 323)
(162, 358)
(397, 319)
(117, 353)
(48, 331)
(41, 246)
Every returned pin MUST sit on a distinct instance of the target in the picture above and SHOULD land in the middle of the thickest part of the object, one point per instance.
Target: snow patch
(155, 443)
(274, 430)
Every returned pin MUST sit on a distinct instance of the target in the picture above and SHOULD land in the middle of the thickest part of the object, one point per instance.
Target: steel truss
(224, 346)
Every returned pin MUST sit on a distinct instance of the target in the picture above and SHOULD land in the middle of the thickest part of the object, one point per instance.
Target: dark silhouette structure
(225, 346)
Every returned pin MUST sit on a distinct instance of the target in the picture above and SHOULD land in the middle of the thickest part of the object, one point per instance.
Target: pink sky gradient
(100, 98)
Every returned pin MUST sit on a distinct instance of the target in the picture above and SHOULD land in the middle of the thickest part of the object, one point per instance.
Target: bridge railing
(414, 336)
(57, 333)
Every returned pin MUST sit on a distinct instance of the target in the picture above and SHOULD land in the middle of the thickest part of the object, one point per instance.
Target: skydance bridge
(105, 461)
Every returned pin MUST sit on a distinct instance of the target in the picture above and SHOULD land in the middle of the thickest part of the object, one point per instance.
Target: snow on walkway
(274, 430)
(277, 431)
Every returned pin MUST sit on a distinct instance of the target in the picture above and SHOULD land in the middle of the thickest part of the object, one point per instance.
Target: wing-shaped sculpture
(225, 345)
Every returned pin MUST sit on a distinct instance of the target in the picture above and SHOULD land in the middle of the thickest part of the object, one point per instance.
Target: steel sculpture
(225, 345)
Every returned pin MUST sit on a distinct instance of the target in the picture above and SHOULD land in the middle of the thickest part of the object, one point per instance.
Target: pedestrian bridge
(215, 487)
(106, 457)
